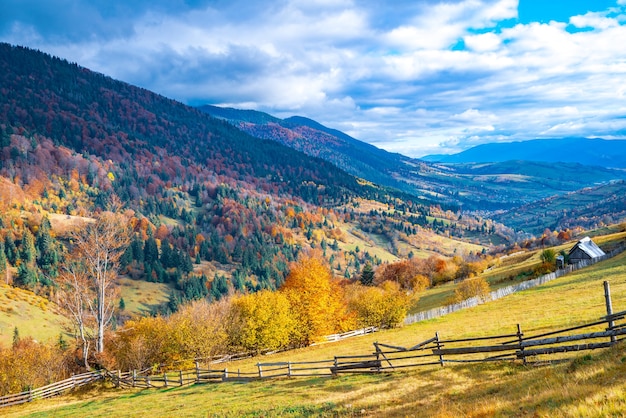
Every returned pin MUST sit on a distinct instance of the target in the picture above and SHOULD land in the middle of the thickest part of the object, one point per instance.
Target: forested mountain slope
(214, 209)
(502, 185)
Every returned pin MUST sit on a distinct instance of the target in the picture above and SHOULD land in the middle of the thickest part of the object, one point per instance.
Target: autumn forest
(261, 246)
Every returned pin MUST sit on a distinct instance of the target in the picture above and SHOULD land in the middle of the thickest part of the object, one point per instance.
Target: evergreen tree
(219, 287)
(137, 245)
(150, 251)
(62, 344)
(26, 276)
(187, 266)
(10, 249)
(47, 257)
(166, 255)
(16, 337)
(367, 274)
(3, 259)
(27, 247)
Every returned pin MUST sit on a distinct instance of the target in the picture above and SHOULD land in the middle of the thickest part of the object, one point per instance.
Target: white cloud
(484, 42)
(384, 73)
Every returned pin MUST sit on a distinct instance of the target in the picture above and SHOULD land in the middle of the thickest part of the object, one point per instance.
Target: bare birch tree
(98, 246)
(73, 293)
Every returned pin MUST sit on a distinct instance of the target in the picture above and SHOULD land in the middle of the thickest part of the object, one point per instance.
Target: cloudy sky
(417, 77)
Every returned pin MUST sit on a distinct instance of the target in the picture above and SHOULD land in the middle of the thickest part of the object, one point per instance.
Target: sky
(416, 77)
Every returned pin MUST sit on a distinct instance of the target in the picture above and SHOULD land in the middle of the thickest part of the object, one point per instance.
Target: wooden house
(585, 249)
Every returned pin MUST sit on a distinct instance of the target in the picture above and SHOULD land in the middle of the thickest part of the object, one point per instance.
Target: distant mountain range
(504, 184)
(594, 152)
(153, 147)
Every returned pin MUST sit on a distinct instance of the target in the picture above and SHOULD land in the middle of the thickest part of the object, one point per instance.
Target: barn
(585, 249)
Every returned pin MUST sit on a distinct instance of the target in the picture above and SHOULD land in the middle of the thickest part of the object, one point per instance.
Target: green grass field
(33, 316)
(592, 384)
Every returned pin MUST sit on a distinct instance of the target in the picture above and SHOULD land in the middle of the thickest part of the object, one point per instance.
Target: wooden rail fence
(508, 290)
(53, 389)
(514, 346)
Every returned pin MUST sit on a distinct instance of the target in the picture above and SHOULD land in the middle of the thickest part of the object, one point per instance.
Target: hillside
(586, 151)
(587, 208)
(473, 186)
(589, 384)
(213, 209)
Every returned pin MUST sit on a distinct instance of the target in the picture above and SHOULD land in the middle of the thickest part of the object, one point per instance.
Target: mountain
(502, 185)
(587, 208)
(355, 157)
(214, 208)
(594, 152)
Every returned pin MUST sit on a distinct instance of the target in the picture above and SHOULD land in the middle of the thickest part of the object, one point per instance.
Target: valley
(235, 231)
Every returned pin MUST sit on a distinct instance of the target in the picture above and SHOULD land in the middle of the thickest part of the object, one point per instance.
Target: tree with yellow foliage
(316, 301)
(383, 306)
(260, 321)
(469, 288)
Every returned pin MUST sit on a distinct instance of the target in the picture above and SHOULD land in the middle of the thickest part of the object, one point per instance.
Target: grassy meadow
(32, 315)
(589, 384)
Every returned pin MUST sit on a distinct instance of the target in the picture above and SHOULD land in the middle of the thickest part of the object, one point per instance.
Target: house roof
(589, 247)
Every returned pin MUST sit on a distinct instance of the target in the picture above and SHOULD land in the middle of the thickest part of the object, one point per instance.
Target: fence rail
(508, 290)
(386, 357)
(53, 389)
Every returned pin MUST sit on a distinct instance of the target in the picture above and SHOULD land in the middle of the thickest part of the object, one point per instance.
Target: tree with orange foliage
(316, 300)
(401, 272)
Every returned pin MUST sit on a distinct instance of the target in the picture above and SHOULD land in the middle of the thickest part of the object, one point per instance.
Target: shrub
(469, 288)
(385, 306)
(29, 364)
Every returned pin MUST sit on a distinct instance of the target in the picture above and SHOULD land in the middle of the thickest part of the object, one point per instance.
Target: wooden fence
(514, 346)
(349, 334)
(505, 291)
(53, 389)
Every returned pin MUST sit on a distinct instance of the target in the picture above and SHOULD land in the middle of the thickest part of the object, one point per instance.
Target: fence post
(225, 374)
(197, 372)
(521, 347)
(609, 308)
(165, 379)
(260, 369)
(377, 356)
(439, 348)
(134, 377)
(289, 369)
(180, 375)
(119, 378)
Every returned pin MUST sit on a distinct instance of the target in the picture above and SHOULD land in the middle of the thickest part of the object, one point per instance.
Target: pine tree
(10, 249)
(3, 259)
(367, 274)
(16, 337)
(150, 251)
(47, 257)
(26, 276)
(27, 247)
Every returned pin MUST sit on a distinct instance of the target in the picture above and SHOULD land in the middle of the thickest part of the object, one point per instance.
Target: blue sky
(416, 77)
